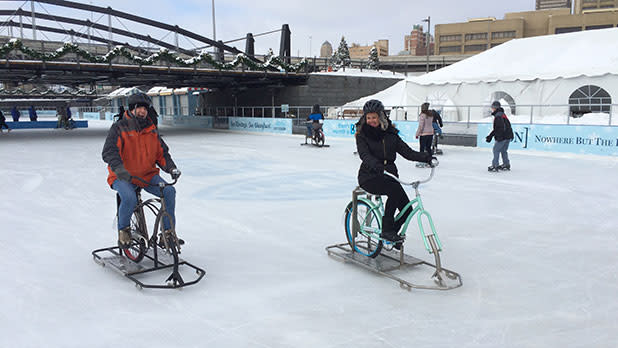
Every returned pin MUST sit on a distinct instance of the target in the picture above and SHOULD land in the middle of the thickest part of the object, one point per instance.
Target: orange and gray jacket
(136, 145)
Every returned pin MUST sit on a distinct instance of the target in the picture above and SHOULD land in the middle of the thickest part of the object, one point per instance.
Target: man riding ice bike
(314, 129)
(133, 149)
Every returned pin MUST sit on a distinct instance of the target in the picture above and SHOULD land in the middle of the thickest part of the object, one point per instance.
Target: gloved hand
(488, 139)
(175, 173)
(122, 173)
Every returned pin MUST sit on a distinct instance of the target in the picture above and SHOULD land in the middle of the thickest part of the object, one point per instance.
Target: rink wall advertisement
(598, 140)
(347, 129)
(262, 125)
(187, 121)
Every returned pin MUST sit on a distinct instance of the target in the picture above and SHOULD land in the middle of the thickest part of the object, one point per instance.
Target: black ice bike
(149, 253)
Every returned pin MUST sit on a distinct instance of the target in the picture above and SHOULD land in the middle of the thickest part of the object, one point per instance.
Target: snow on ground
(537, 249)
(364, 73)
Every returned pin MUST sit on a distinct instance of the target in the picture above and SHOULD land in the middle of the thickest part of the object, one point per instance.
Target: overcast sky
(311, 22)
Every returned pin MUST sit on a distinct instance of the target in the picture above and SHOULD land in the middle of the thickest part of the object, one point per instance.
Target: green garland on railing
(163, 55)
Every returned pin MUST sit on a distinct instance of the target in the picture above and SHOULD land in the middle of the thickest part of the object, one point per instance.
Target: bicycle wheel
(137, 249)
(319, 139)
(367, 240)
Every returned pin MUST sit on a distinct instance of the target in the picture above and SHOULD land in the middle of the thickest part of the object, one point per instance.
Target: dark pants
(3, 124)
(397, 199)
(425, 141)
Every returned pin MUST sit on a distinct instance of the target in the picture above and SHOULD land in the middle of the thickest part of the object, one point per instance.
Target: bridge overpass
(89, 57)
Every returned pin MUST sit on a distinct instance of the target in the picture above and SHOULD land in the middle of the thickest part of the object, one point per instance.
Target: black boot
(388, 230)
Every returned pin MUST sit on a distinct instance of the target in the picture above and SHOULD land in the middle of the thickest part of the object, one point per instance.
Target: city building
(551, 4)
(362, 52)
(480, 34)
(586, 5)
(326, 51)
(415, 44)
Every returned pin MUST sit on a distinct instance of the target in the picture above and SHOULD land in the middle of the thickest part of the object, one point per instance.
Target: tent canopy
(586, 53)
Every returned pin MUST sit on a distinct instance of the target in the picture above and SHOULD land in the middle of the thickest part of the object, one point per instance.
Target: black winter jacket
(502, 126)
(378, 149)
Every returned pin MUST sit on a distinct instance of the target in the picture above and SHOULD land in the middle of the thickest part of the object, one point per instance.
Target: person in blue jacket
(15, 114)
(315, 117)
(32, 114)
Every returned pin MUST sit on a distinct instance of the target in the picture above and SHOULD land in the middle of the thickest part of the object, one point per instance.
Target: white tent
(524, 73)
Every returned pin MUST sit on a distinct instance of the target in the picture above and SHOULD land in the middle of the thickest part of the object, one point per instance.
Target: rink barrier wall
(580, 139)
(246, 124)
(43, 124)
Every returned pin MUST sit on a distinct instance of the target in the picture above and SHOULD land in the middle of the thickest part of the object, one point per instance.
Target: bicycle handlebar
(161, 184)
(434, 163)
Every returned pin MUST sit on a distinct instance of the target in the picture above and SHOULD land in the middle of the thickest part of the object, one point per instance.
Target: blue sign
(265, 125)
(339, 128)
(407, 130)
(598, 140)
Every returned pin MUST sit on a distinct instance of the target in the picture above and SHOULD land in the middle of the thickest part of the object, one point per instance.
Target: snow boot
(124, 238)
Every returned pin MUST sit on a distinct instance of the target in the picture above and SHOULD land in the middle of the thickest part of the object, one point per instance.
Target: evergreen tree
(341, 57)
(374, 60)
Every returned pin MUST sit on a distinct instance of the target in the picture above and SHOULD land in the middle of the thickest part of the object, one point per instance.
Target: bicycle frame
(418, 210)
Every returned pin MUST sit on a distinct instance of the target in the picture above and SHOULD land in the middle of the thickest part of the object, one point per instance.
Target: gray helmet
(139, 99)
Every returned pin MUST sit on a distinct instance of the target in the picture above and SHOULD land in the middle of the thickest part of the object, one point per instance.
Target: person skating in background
(3, 122)
(32, 114)
(378, 144)
(437, 130)
(503, 134)
(424, 132)
(15, 114)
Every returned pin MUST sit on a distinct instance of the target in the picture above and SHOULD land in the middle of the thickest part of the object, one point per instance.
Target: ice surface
(537, 249)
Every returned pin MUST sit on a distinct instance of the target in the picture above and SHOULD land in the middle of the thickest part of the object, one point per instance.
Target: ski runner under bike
(378, 143)
(134, 148)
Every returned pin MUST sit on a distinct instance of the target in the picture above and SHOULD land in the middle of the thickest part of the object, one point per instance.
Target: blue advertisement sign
(339, 128)
(347, 128)
(265, 125)
(598, 140)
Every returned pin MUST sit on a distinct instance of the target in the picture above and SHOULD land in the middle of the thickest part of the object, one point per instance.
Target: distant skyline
(361, 22)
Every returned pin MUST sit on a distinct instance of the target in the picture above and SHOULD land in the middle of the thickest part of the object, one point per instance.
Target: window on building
(503, 34)
(177, 106)
(495, 44)
(593, 27)
(568, 30)
(474, 48)
(476, 36)
(450, 49)
(589, 98)
(446, 38)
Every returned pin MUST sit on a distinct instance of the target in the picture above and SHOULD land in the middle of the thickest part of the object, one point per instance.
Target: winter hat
(425, 107)
(495, 104)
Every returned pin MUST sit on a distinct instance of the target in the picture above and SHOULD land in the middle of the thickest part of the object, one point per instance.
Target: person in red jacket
(134, 148)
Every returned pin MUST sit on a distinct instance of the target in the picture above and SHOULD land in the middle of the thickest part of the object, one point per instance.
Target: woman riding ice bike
(314, 126)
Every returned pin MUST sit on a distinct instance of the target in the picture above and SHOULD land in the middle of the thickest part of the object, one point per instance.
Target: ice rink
(537, 249)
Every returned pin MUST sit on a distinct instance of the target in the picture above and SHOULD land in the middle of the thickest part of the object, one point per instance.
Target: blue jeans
(128, 200)
(501, 148)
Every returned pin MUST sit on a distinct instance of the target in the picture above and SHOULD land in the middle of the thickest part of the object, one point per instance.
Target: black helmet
(425, 107)
(139, 99)
(373, 105)
(315, 109)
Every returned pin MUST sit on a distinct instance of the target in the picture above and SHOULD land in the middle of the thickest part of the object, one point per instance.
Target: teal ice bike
(362, 223)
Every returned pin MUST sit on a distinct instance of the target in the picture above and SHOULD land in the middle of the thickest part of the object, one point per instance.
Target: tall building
(416, 43)
(550, 4)
(326, 51)
(480, 34)
(362, 52)
(587, 5)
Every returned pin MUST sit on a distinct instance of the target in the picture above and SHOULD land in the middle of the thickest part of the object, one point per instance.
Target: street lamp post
(214, 30)
(428, 38)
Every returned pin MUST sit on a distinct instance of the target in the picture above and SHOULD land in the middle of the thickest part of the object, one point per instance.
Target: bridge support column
(250, 45)
(285, 49)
